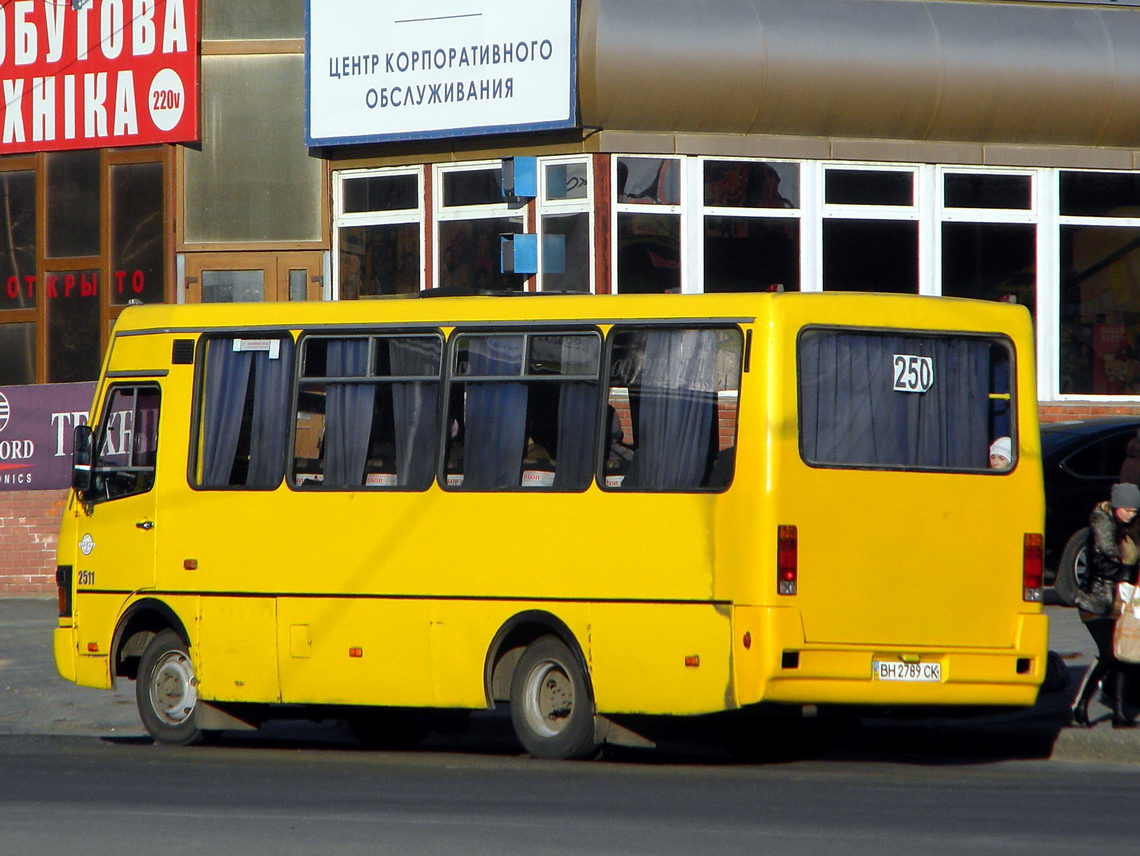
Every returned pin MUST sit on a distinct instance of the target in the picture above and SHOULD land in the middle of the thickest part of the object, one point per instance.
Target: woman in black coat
(1113, 557)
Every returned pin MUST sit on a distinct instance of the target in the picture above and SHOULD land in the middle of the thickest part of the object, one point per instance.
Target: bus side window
(245, 390)
(367, 412)
(523, 410)
(677, 389)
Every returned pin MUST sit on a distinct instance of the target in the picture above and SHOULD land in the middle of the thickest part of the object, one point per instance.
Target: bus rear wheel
(167, 691)
(552, 708)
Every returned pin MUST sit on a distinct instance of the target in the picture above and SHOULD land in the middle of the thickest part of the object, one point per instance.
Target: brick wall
(1084, 410)
(29, 529)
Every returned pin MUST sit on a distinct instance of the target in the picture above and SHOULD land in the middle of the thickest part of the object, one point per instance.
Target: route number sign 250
(913, 373)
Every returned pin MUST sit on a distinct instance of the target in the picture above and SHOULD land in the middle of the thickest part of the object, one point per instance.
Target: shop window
(472, 216)
(868, 187)
(244, 412)
(73, 332)
(523, 411)
(17, 353)
(648, 250)
(870, 255)
(1100, 310)
(367, 412)
(137, 233)
(990, 261)
(672, 406)
(751, 226)
(17, 240)
(378, 224)
(73, 203)
(1100, 194)
(566, 258)
(986, 190)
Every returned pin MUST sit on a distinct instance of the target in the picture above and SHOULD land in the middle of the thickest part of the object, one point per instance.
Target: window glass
(870, 255)
(229, 286)
(567, 181)
(868, 187)
(751, 184)
(473, 187)
(1100, 194)
(648, 253)
(253, 19)
(566, 252)
(367, 414)
(126, 444)
(17, 240)
(752, 254)
(137, 257)
(253, 178)
(378, 260)
(73, 334)
(73, 203)
(914, 402)
(648, 181)
(672, 408)
(245, 399)
(469, 253)
(1100, 310)
(523, 411)
(990, 261)
(973, 190)
(381, 193)
(17, 353)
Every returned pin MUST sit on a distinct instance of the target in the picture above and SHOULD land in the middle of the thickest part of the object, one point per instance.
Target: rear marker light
(787, 559)
(1032, 567)
(747, 640)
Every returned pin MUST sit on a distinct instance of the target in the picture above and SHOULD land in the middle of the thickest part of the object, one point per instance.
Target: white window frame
(401, 216)
(545, 206)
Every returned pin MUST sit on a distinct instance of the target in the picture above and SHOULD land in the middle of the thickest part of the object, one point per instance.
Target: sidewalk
(35, 700)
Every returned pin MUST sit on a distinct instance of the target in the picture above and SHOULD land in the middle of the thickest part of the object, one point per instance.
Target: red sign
(113, 73)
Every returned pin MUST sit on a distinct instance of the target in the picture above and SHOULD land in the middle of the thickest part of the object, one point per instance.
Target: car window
(1101, 458)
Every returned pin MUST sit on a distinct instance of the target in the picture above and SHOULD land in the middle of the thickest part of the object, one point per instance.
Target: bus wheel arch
(142, 621)
(538, 660)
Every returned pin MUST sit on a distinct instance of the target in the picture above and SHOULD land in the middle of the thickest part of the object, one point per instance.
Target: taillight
(1032, 566)
(63, 589)
(787, 559)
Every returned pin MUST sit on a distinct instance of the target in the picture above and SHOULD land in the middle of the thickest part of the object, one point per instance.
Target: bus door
(117, 517)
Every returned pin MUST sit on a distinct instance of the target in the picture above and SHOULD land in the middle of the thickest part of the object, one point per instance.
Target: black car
(1081, 461)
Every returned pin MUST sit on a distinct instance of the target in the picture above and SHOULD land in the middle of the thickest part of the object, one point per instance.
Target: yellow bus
(581, 506)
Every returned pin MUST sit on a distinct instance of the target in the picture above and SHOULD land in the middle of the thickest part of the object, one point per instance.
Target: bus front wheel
(551, 705)
(167, 691)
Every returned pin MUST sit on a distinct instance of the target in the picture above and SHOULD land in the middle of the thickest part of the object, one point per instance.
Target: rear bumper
(844, 674)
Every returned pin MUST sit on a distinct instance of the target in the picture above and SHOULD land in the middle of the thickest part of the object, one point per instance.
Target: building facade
(942, 147)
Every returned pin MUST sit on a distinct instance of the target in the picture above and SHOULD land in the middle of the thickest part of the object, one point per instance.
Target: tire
(166, 691)
(552, 705)
(1072, 567)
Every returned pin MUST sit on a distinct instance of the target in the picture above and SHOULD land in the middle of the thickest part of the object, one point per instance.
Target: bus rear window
(911, 401)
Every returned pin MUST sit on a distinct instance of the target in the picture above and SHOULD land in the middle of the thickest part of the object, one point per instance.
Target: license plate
(888, 670)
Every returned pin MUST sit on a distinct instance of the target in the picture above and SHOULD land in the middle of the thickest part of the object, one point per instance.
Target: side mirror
(82, 456)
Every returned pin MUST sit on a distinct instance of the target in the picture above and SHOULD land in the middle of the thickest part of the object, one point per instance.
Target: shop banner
(36, 427)
(112, 73)
(417, 69)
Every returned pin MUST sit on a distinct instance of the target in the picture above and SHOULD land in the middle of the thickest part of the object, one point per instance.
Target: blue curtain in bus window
(227, 378)
(269, 426)
(577, 413)
(415, 408)
(348, 414)
(851, 413)
(677, 411)
(495, 415)
(577, 424)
